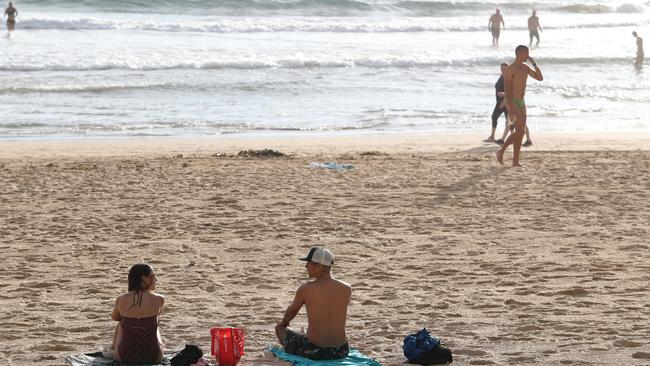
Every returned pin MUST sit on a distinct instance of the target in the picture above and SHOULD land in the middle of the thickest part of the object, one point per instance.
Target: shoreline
(313, 145)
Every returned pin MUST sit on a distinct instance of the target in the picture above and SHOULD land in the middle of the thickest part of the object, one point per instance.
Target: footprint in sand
(626, 343)
(641, 355)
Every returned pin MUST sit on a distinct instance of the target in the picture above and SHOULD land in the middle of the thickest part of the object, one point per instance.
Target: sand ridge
(426, 239)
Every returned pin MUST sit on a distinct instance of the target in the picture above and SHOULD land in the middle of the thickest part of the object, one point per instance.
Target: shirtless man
(534, 28)
(494, 25)
(638, 61)
(11, 13)
(326, 300)
(515, 78)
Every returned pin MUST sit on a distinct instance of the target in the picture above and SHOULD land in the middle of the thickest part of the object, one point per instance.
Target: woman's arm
(116, 313)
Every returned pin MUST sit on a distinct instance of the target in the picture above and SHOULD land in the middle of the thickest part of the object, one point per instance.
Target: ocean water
(96, 68)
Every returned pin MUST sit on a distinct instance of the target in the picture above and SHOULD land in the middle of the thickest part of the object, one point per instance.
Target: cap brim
(304, 259)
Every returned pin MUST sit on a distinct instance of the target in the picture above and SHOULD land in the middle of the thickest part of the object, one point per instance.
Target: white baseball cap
(319, 255)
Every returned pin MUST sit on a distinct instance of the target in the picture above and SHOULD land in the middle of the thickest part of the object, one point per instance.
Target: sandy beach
(544, 265)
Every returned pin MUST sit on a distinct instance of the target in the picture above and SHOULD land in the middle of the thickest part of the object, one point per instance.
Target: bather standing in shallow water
(638, 61)
(137, 338)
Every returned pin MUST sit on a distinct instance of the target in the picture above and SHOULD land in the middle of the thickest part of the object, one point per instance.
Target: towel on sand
(355, 358)
(96, 359)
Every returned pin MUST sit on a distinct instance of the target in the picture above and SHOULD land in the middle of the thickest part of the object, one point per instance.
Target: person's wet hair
(520, 49)
(136, 273)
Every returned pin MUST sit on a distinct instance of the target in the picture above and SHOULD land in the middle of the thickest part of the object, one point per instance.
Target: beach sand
(546, 265)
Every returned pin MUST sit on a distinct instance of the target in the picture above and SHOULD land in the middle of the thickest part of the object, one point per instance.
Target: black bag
(437, 355)
(189, 355)
(423, 349)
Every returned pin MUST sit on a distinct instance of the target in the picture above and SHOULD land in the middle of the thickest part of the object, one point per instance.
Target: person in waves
(11, 13)
(638, 61)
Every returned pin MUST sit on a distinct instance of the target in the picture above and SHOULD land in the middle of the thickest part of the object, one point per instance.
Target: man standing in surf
(638, 61)
(515, 78)
(534, 28)
(495, 26)
(11, 13)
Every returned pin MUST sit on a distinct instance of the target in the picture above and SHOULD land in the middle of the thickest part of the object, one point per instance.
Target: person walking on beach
(499, 107)
(534, 28)
(515, 78)
(11, 13)
(326, 300)
(137, 338)
(494, 25)
(638, 61)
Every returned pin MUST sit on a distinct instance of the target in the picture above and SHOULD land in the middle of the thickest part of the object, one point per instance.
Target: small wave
(80, 89)
(270, 25)
(600, 8)
(298, 63)
(416, 8)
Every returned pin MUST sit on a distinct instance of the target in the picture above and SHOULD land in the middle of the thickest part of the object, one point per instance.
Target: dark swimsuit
(139, 343)
(298, 344)
(496, 113)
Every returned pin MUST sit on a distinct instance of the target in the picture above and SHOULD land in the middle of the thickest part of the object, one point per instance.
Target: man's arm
(536, 73)
(504, 23)
(507, 87)
(294, 308)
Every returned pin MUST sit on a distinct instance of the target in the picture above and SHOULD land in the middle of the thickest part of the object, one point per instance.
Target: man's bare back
(326, 301)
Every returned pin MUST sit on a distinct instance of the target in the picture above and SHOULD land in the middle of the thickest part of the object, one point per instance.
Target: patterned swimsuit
(139, 344)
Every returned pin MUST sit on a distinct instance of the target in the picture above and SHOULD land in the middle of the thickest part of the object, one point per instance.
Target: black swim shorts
(297, 344)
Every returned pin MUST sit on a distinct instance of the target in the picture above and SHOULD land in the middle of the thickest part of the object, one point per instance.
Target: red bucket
(227, 345)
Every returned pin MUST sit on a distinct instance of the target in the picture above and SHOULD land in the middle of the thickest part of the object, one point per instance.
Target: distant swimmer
(638, 61)
(11, 13)
(495, 26)
(534, 28)
(515, 78)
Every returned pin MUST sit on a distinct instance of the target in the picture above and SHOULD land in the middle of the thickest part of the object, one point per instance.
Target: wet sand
(548, 264)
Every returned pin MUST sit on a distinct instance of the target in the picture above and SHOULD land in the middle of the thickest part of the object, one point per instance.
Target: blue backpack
(423, 349)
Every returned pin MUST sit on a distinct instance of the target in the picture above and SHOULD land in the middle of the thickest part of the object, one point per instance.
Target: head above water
(521, 52)
(141, 278)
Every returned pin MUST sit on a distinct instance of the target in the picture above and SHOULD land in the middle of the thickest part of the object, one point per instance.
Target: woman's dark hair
(135, 281)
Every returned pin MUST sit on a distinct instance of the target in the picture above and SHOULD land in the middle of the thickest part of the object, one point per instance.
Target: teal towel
(355, 358)
(96, 359)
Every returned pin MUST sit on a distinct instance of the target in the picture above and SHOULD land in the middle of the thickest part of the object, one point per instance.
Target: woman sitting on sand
(137, 339)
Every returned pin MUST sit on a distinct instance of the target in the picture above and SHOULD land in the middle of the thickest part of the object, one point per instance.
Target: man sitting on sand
(326, 300)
